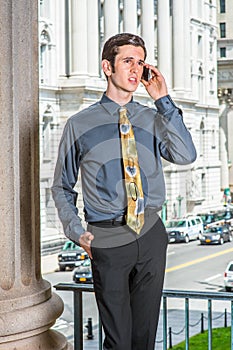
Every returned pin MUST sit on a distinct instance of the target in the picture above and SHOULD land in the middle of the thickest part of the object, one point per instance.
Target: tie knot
(123, 110)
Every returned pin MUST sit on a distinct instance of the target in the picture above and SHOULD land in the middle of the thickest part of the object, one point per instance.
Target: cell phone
(146, 73)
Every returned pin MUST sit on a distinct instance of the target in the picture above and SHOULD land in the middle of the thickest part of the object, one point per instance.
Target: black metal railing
(79, 289)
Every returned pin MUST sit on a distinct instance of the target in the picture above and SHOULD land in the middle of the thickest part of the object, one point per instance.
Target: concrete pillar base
(50, 340)
(27, 328)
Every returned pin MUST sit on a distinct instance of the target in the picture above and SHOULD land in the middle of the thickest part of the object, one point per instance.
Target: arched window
(200, 83)
(47, 119)
(213, 137)
(44, 56)
(202, 137)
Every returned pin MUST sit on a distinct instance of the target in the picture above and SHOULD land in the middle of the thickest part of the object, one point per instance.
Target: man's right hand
(85, 242)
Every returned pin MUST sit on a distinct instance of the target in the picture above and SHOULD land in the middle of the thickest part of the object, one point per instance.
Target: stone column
(130, 16)
(178, 45)
(223, 151)
(148, 29)
(79, 60)
(93, 38)
(164, 41)
(111, 18)
(27, 307)
(187, 50)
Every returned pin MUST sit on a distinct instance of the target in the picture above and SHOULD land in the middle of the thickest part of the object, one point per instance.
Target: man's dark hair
(111, 47)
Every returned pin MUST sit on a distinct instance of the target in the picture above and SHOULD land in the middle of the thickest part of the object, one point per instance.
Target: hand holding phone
(154, 82)
(146, 75)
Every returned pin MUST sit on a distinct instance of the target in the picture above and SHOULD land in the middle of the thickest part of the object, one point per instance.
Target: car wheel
(62, 268)
(228, 289)
(230, 238)
(221, 241)
(186, 239)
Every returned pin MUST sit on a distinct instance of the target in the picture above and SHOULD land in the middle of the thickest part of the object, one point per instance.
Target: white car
(184, 229)
(228, 277)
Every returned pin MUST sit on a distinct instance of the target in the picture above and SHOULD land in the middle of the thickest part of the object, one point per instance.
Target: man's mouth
(133, 80)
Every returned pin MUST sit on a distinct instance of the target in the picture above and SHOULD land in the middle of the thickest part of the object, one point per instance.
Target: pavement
(49, 263)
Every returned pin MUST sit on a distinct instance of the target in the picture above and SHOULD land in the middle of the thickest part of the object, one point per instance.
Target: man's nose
(135, 67)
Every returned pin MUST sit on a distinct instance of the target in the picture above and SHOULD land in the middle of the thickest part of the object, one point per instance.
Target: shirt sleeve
(165, 104)
(175, 141)
(65, 178)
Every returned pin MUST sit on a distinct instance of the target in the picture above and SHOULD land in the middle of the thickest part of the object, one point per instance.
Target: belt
(118, 221)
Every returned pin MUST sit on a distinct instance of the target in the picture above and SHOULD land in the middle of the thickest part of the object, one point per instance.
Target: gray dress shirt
(91, 143)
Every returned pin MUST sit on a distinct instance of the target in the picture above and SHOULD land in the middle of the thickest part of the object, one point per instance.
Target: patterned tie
(135, 197)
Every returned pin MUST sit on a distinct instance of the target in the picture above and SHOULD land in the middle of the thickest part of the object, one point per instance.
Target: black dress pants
(128, 282)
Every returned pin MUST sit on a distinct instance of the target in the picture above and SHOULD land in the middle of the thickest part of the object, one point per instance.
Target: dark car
(71, 256)
(208, 218)
(216, 235)
(83, 273)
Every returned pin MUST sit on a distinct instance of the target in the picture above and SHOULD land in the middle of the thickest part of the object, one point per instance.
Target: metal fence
(79, 289)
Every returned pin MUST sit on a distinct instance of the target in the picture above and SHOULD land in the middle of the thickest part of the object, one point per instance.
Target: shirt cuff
(164, 104)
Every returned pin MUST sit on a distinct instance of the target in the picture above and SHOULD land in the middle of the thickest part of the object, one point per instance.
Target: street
(195, 267)
(189, 267)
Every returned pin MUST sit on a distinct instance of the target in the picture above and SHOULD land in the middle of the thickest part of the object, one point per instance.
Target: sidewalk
(49, 263)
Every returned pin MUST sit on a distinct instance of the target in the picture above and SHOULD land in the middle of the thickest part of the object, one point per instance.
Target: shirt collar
(113, 107)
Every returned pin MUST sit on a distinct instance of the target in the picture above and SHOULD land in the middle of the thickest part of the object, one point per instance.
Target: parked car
(226, 216)
(83, 273)
(208, 218)
(218, 217)
(184, 229)
(228, 277)
(71, 255)
(216, 235)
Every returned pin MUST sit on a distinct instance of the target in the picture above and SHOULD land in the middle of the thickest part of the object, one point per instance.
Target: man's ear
(107, 68)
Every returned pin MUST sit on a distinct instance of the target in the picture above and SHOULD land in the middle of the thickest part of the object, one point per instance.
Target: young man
(123, 189)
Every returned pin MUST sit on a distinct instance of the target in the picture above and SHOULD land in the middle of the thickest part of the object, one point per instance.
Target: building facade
(225, 93)
(181, 38)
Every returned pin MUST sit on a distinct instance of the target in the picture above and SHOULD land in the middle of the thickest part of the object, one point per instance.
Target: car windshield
(225, 215)
(213, 230)
(176, 223)
(207, 218)
(231, 267)
(87, 262)
(70, 246)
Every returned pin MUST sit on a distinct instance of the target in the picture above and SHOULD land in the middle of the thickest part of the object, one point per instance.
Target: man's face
(128, 69)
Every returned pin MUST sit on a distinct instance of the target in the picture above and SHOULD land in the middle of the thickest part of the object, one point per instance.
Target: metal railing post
(164, 323)
(231, 325)
(186, 323)
(202, 322)
(100, 335)
(225, 318)
(209, 324)
(78, 321)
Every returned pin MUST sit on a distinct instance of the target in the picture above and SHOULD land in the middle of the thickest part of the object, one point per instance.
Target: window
(213, 136)
(222, 30)
(199, 42)
(202, 135)
(44, 55)
(155, 7)
(211, 48)
(222, 6)
(223, 52)
(210, 10)
(211, 85)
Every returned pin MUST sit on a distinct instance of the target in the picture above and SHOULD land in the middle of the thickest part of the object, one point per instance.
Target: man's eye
(127, 61)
